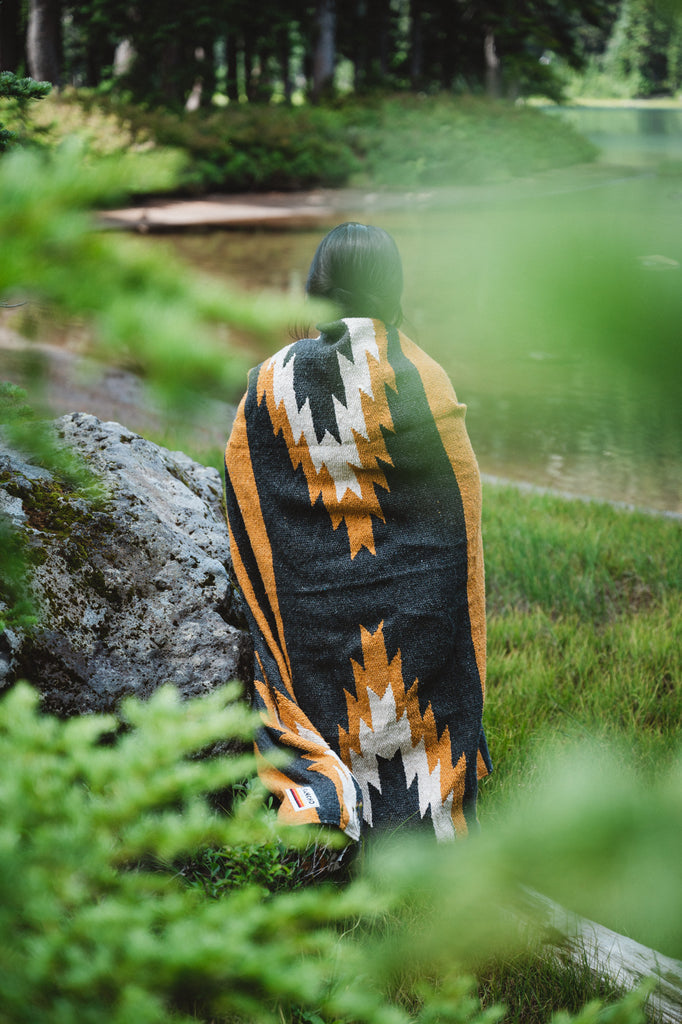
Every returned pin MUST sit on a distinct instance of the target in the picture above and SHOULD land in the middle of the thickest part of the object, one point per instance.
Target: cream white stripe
(339, 456)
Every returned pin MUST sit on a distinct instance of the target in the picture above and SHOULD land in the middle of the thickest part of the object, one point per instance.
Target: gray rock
(133, 590)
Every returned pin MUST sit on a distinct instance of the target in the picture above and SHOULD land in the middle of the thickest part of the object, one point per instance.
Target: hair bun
(358, 267)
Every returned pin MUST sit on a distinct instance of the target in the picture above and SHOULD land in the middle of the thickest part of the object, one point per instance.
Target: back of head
(358, 268)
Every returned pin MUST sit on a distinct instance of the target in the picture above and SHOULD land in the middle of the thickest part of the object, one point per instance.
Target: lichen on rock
(132, 591)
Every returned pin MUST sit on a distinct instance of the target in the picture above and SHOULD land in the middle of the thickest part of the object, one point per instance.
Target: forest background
(232, 50)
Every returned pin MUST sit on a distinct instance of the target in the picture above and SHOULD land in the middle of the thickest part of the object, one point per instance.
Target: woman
(353, 501)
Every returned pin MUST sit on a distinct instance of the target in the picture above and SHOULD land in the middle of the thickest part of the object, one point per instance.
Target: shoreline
(311, 208)
(526, 487)
(76, 383)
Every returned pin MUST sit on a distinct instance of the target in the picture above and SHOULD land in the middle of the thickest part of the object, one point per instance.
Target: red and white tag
(302, 797)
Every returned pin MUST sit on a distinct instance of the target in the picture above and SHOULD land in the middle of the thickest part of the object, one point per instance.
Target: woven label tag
(302, 797)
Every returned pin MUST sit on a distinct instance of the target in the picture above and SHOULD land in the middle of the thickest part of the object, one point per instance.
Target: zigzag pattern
(344, 471)
(384, 719)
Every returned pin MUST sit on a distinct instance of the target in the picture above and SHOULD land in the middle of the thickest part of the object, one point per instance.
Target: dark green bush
(252, 148)
(403, 141)
(95, 922)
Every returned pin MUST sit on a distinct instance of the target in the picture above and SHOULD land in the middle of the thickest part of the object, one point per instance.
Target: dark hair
(358, 268)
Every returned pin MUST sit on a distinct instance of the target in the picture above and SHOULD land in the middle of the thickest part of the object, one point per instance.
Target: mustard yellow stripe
(242, 478)
(448, 415)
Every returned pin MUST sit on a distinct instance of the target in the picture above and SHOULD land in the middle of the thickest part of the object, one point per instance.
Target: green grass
(532, 985)
(584, 631)
(413, 141)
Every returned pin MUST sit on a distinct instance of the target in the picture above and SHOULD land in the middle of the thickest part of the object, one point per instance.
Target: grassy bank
(404, 141)
(585, 624)
(584, 646)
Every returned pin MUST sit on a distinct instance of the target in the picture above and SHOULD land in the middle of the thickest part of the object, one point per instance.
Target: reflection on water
(637, 136)
(560, 335)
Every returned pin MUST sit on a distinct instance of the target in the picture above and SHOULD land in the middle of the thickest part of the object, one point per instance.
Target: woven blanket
(353, 501)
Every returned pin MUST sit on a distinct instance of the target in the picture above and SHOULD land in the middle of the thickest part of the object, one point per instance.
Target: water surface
(637, 136)
(558, 317)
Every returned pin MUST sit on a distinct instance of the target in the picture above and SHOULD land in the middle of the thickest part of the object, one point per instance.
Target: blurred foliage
(645, 49)
(588, 835)
(13, 405)
(96, 922)
(268, 50)
(584, 640)
(251, 148)
(415, 141)
(16, 604)
(21, 430)
(144, 310)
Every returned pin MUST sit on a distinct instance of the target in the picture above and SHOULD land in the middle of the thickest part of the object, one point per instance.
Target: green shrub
(247, 148)
(413, 141)
(403, 141)
(94, 922)
(98, 923)
(142, 308)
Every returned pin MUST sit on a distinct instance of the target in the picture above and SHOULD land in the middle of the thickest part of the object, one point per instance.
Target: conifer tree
(16, 94)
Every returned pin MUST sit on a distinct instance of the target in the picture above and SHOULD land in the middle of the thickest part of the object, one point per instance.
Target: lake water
(556, 309)
(636, 136)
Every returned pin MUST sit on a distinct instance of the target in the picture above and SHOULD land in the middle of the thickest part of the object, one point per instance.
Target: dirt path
(70, 382)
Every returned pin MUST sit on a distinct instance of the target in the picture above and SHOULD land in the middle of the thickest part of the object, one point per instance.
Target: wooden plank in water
(622, 959)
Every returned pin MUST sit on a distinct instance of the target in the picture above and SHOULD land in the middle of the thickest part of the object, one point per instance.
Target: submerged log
(624, 961)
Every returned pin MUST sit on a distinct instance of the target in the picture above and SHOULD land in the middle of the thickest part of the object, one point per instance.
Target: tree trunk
(359, 49)
(416, 44)
(284, 58)
(378, 31)
(100, 55)
(124, 58)
(325, 49)
(168, 63)
(492, 67)
(249, 79)
(11, 42)
(384, 38)
(206, 59)
(608, 954)
(43, 40)
(232, 80)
